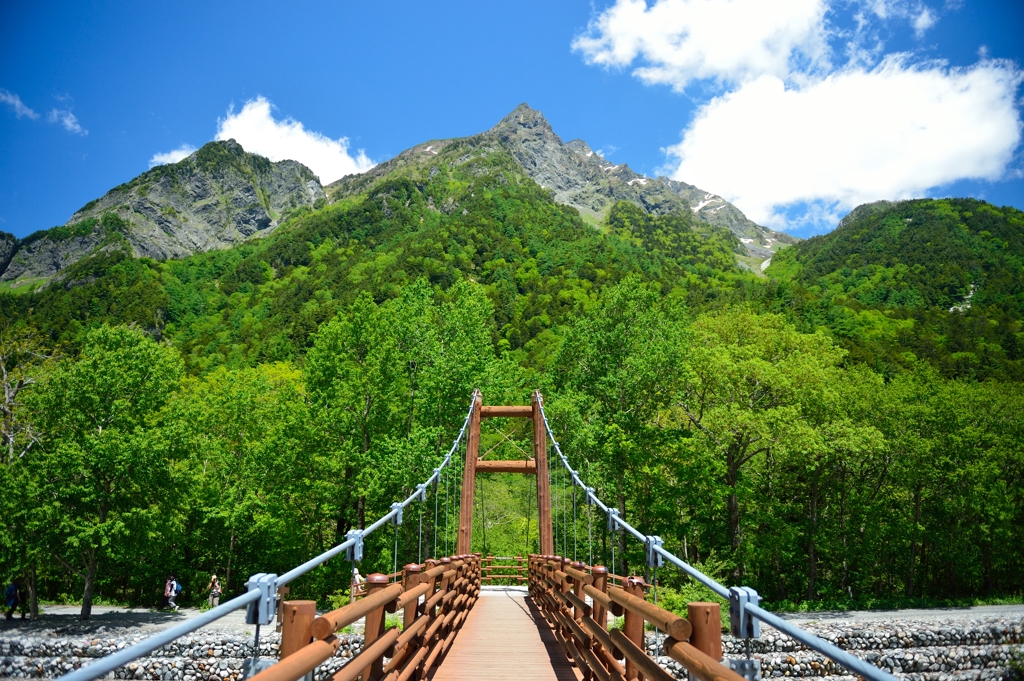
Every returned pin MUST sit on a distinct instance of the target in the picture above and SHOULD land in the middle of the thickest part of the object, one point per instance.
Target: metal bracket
(613, 514)
(354, 553)
(422, 489)
(262, 610)
(590, 497)
(748, 669)
(654, 559)
(744, 624)
(397, 506)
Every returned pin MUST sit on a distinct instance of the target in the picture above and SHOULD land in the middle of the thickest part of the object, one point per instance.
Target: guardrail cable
(744, 608)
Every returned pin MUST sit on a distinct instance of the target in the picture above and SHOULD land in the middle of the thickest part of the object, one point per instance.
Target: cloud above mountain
(781, 125)
(679, 41)
(173, 156)
(256, 129)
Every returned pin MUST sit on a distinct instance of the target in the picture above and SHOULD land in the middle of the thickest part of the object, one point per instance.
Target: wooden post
(410, 579)
(706, 620)
(374, 626)
(599, 613)
(634, 625)
(296, 619)
(540, 455)
(577, 589)
(469, 478)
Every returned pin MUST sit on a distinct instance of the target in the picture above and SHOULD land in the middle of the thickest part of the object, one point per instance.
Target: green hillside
(942, 280)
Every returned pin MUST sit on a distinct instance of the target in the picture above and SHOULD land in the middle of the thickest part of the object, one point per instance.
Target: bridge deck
(505, 637)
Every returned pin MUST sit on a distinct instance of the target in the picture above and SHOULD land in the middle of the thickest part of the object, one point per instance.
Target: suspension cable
(529, 513)
(447, 516)
(590, 532)
(437, 494)
(395, 570)
(574, 540)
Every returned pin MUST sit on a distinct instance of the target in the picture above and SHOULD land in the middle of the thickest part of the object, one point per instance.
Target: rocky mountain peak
(217, 197)
(582, 178)
(521, 118)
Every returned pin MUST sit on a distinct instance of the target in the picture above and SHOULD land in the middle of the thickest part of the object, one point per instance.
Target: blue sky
(795, 117)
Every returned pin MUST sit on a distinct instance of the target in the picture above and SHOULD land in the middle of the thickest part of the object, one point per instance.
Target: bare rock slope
(580, 177)
(217, 197)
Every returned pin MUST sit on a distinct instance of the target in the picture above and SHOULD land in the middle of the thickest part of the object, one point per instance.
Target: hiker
(171, 590)
(214, 588)
(12, 598)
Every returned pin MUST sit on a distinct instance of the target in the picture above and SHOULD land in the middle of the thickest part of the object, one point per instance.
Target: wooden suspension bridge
(457, 624)
(456, 628)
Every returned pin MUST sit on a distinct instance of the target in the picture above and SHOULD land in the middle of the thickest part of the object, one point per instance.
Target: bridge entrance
(537, 466)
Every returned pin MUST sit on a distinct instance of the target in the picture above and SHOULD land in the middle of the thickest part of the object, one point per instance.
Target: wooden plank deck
(505, 637)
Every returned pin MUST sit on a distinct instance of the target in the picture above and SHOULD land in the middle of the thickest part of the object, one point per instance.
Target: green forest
(843, 432)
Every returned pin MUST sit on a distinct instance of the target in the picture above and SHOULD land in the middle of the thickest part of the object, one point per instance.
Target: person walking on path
(12, 598)
(214, 589)
(171, 591)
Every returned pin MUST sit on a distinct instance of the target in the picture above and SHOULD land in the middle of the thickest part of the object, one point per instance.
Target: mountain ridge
(579, 177)
(222, 195)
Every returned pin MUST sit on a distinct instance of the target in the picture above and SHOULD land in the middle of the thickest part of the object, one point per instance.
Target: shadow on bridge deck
(505, 637)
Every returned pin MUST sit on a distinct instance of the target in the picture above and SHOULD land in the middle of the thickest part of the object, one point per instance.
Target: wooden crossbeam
(498, 411)
(528, 466)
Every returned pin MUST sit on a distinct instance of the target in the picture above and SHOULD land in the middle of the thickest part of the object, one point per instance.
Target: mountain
(217, 197)
(472, 215)
(221, 196)
(579, 177)
(946, 253)
(940, 280)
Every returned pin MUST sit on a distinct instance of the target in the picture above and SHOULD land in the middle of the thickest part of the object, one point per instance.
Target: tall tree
(619, 365)
(751, 381)
(102, 477)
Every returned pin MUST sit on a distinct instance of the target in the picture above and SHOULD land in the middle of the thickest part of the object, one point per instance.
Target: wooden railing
(498, 572)
(434, 599)
(576, 600)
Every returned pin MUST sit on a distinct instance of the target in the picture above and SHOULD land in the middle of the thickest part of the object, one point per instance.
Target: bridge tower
(538, 466)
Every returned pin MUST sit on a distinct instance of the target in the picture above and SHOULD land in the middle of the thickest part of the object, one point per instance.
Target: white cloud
(792, 131)
(20, 110)
(66, 119)
(730, 41)
(923, 21)
(184, 151)
(855, 136)
(255, 128)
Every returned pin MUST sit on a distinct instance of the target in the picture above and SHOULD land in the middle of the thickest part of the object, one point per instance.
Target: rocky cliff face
(217, 197)
(581, 178)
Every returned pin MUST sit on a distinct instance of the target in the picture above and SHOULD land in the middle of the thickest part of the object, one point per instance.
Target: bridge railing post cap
(413, 567)
(376, 578)
(599, 570)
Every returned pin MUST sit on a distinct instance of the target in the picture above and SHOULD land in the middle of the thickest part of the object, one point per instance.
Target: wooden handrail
(579, 629)
(699, 664)
(367, 656)
(325, 625)
(635, 654)
(301, 662)
(676, 626)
